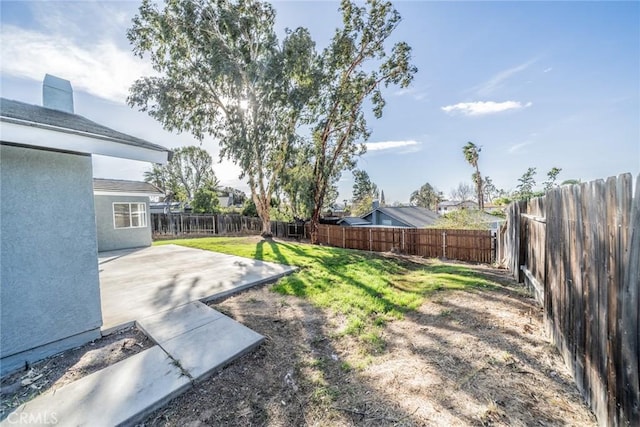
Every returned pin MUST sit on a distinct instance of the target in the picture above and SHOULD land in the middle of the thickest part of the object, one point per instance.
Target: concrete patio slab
(158, 288)
(138, 283)
(169, 324)
(122, 393)
(207, 347)
(193, 342)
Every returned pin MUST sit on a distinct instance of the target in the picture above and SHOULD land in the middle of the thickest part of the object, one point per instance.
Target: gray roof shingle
(123, 186)
(413, 216)
(354, 220)
(19, 112)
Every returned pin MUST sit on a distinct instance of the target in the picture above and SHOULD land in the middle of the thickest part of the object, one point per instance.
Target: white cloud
(517, 147)
(104, 69)
(406, 146)
(483, 107)
(416, 93)
(498, 79)
(546, 70)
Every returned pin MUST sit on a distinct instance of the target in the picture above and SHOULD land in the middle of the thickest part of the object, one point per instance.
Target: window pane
(121, 216)
(138, 215)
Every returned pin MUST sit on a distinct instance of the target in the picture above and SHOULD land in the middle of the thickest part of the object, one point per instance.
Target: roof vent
(57, 94)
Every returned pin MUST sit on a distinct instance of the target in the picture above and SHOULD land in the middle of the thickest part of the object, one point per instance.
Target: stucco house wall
(111, 238)
(48, 258)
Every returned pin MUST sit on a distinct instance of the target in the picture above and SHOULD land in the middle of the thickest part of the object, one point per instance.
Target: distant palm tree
(472, 154)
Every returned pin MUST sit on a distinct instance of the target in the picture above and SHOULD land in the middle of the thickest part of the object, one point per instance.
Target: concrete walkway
(193, 342)
(141, 282)
(159, 289)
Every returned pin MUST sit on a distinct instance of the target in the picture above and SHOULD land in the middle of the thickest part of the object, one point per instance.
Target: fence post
(403, 249)
(328, 235)
(344, 238)
(444, 244)
(370, 242)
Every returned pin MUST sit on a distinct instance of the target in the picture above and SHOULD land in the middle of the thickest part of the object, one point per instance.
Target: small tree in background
(363, 187)
(524, 190)
(426, 196)
(489, 189)
(462, 192)
(552, 176)
(206, 201)
(189, 170)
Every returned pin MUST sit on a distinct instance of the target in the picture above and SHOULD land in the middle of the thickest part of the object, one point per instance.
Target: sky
(534, 84)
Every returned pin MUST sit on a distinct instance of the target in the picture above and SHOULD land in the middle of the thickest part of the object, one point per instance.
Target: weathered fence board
(185, 224)
(463, 245)
(581, 244)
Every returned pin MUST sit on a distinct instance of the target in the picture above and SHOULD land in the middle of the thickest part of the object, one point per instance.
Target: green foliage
(363, 188)
(368, 289)
(524, 190)
(552, 177)
(249, 208)
(190, 170)
(489, 189)
(427, 197)
(502, 201)
(221, 72)
(362, 206)
(297, 184)
(282, 213)
(463, 219)
(206, 201)
(354, 69)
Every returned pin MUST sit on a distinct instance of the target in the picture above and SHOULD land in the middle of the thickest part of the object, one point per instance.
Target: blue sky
(536, 84)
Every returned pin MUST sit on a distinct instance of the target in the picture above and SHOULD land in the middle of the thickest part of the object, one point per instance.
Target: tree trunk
(479, 189)
(266, 227)
(263, 212)
(315, 220)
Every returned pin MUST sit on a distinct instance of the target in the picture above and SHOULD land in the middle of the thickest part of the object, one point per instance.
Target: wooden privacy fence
(463, 245)
(183, 224)
(578, 249)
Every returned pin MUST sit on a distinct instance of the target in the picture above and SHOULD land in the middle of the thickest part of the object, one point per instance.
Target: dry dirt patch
(464, 358)
(64, 368)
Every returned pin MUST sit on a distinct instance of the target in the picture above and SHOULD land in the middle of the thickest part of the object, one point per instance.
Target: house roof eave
(32, 134)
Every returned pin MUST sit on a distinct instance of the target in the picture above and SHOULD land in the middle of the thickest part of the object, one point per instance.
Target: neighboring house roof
(45, 127)
(103, 186)
(225, 201)
(354, 220)
(488, 218)
(412, 216)
(448, 203)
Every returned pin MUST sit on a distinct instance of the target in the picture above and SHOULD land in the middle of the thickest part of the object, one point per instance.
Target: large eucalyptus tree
(221, 72)
(355, 67)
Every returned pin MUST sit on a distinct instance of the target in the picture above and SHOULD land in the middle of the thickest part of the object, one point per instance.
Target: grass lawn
(367, 288)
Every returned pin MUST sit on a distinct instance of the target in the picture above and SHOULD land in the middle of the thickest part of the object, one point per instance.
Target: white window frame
(141, 213)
